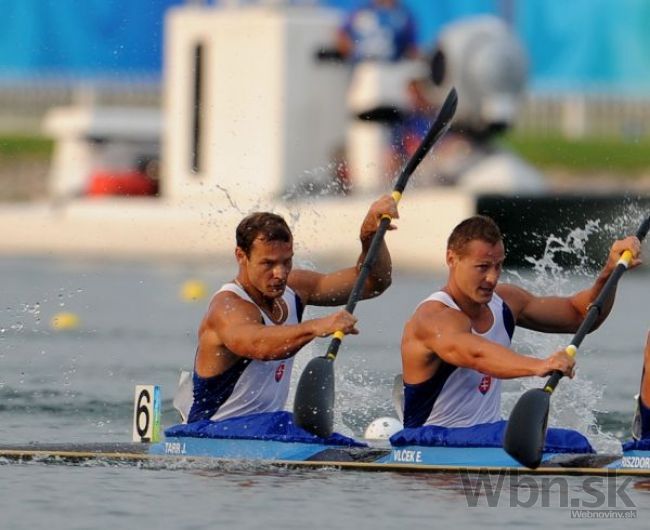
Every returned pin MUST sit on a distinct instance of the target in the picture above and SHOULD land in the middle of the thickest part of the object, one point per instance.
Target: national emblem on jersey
(485, 384)
(279, 372)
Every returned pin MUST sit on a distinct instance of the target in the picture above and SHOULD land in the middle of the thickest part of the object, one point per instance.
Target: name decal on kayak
(175, 448)
(407, 455)
(636, 462)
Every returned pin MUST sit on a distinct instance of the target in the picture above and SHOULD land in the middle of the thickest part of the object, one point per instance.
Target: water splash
(231, 201)
(359, 385)
(317, 182)
(574, 244)
(575, 403)
(364, 394)
(361, 394)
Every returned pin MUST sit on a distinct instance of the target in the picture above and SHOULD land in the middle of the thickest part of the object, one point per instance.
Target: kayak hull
(208, 452)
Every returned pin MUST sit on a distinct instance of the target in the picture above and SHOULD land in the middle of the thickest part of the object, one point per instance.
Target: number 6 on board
(146, 414)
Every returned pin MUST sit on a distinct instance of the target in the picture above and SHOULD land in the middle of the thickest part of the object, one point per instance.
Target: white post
(574, 116)
(248, 108)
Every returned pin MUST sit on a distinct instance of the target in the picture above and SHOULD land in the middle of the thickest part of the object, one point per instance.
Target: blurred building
(580, 45)
(589, 61)
(104, 61)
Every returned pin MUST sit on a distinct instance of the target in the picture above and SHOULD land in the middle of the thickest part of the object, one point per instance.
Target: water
(78, 386)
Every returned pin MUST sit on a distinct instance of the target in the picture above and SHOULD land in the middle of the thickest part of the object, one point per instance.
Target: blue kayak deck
(303, 455)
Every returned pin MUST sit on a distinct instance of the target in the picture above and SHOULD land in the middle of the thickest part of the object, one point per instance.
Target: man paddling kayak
(253, 326)
(456, 346)
(641, 425)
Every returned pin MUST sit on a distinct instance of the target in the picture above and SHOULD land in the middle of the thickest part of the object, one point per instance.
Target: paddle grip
(553, 380)
(333, 348)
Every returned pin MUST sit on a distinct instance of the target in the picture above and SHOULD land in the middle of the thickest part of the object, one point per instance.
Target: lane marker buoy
(65, 321)
(193, 290)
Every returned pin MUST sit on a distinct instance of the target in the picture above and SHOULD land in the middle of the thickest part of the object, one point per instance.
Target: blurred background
(195, 101)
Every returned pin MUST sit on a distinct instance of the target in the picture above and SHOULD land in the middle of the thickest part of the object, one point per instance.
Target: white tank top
(262, 386)
(467, 397)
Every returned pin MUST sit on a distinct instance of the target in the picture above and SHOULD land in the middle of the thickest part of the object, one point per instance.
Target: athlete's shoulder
(303, 282)
(430, 306)
(513, 296)
(432, 313)
(228, 292)
(229, 305)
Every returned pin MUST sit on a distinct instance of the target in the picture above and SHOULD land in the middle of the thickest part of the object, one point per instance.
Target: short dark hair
(261, 225)
(478, 227)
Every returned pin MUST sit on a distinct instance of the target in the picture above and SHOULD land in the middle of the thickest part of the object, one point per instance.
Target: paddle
(313, 407)
(526, 430)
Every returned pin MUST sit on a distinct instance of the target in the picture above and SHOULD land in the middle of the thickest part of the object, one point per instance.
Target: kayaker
(456, 346)
(253, 326)
(641, 425)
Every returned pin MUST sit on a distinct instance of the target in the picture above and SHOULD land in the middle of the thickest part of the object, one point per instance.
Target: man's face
(268, 265)
(477, 269)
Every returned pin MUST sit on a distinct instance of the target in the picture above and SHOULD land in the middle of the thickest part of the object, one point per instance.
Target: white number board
(146, 414)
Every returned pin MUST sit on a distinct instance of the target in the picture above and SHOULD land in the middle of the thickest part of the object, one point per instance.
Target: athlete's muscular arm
(237, 324)
(446, 333)
(557, 314)
(334, 288)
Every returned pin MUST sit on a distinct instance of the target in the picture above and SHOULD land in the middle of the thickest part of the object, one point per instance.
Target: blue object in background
(581, 45)
(81, 38)
(431, 15)
(600, 45)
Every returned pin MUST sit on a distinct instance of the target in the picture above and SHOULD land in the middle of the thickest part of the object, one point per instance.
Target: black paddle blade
(313, 408)
(526, 430)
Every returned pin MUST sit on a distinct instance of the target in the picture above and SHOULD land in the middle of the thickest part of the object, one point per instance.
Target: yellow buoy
(193, 290)
(64, 321)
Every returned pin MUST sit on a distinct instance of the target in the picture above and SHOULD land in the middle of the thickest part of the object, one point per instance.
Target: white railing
(572, 115)
(23, 105)
(580, 115)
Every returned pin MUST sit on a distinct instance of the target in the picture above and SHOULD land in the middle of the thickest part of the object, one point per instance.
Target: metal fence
(573, 116)
(579, 115)
(23, 106)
